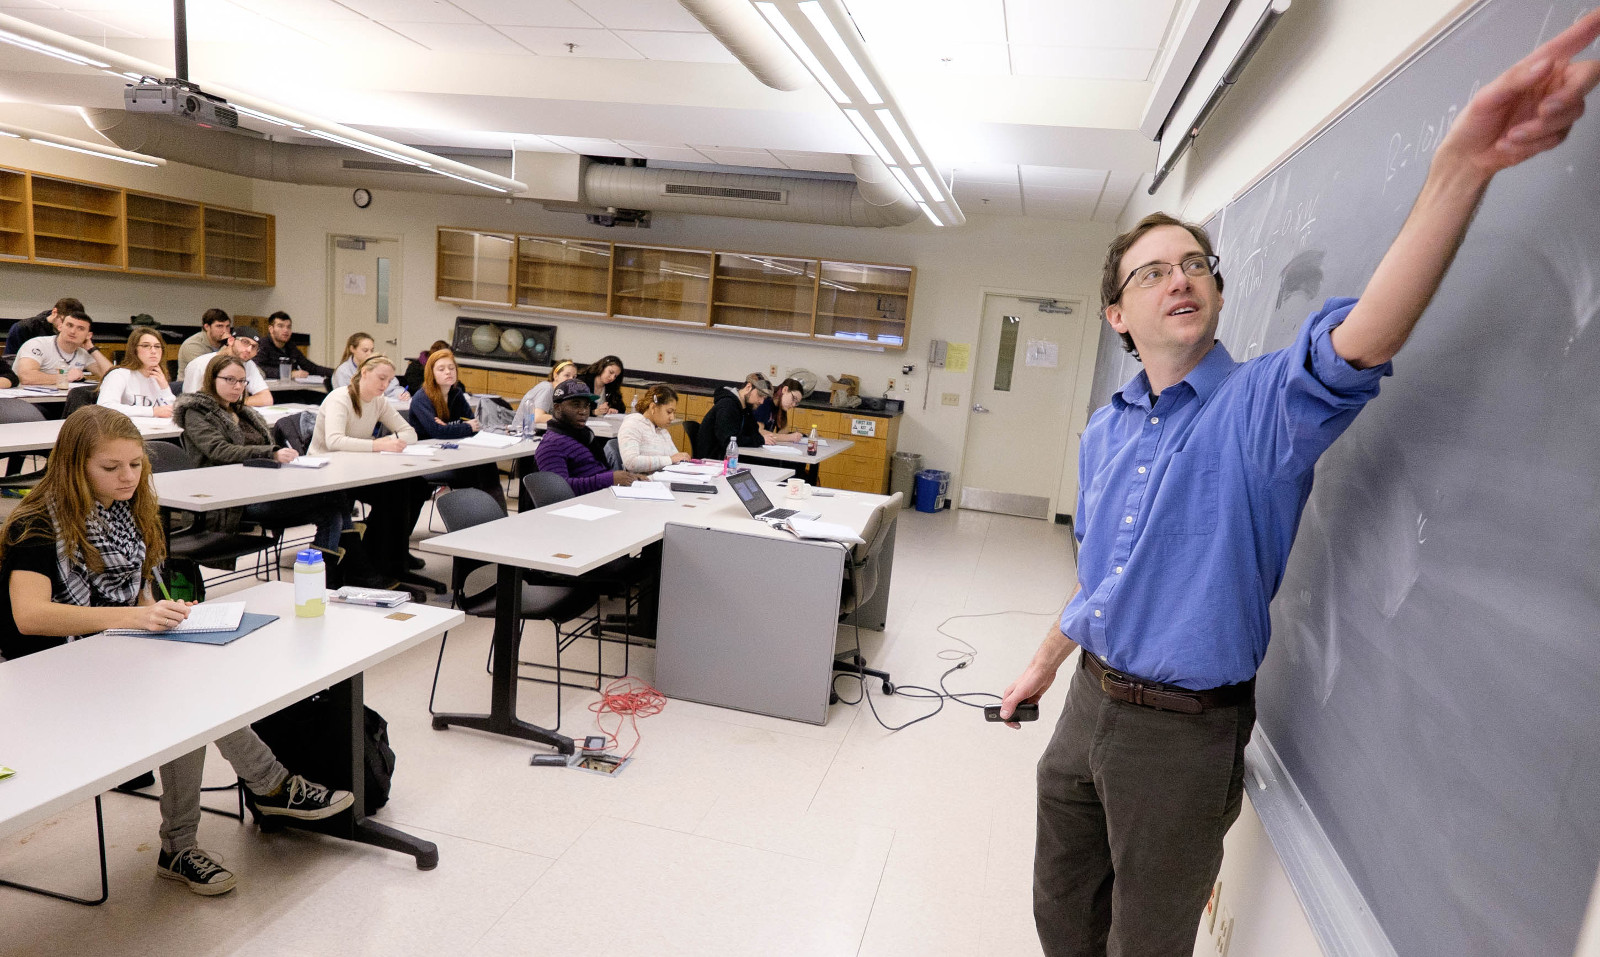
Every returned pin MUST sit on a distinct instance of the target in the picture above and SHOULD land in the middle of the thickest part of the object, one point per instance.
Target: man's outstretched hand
(1529, 108)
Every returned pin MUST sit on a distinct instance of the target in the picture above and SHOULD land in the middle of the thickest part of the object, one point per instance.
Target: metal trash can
(932, 485)
(903, 469)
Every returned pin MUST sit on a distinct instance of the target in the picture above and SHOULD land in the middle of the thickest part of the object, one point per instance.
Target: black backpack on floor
(304, 736)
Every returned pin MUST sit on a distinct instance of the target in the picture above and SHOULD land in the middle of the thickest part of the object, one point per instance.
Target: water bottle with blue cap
(310, 584)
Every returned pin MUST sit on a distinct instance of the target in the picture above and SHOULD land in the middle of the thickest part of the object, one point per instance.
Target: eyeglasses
(232, 380)
(1153, 274)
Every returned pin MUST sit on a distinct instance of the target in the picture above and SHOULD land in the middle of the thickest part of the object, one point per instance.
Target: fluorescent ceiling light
(891, 124)
(934, 192)
(268, 117)
(89, 151)
(841, 52)
(798, 46)
(870, 135)
(52, 51)
(15, 136)
(464, 179)
(929, 213)
(905, 181)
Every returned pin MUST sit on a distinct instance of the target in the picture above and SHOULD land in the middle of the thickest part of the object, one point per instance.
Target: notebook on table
(205, 617)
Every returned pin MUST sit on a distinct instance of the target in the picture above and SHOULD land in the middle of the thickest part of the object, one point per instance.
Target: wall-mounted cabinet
(747, 294)
(54, 221)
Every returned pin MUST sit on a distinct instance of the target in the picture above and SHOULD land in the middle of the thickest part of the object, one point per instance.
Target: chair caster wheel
(888, 688)
(439, 724)
(833, 697)
(860, 661)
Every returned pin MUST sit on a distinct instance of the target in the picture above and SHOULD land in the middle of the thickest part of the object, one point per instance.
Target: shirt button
(1128, 520)
(1141, 470)
(1097, 613)
(1155, 419)
(1118, 569)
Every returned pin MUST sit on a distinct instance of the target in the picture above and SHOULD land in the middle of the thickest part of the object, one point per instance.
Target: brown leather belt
(1164, 697)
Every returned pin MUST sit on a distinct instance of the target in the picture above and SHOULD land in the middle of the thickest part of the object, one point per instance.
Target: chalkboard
(1433, 682)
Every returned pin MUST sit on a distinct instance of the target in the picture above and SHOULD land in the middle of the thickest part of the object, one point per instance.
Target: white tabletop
(78, 719)
(796, 453)
(232, 486)
(43, 395)
(38, 436)
(850, 509)
(547, 541)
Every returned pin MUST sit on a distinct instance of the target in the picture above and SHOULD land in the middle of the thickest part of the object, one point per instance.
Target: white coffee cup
(798, 488)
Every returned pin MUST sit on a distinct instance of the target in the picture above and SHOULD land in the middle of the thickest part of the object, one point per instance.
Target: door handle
(979, 408)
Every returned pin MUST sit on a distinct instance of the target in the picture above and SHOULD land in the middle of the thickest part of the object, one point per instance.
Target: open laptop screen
(749, 491)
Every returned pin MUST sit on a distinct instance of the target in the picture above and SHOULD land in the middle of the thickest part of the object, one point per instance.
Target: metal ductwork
(737, 25)
(875, 199)
(258, 158)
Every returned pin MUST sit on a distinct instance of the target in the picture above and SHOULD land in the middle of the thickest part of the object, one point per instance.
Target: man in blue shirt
(1192, 480)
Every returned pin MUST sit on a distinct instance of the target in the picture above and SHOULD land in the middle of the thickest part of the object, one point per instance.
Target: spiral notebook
(205, 617)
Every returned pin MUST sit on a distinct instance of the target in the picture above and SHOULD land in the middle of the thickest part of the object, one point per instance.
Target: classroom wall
(954, 268)
(1320, 54)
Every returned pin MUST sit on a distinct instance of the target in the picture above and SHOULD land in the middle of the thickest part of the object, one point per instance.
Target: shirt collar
(1204, 378)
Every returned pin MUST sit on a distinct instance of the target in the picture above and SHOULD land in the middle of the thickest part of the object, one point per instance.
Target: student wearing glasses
(219, 428)
(138, 387)
(81, 554)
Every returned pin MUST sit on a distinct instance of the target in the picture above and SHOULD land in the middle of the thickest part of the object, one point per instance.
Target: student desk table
(723, 639)
(41, 436)
(78, 719)
(544, 541)
(791, 454)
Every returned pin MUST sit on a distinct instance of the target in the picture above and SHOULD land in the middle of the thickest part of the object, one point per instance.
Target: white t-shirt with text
(46, 350)
(133, 393)
(196, 371)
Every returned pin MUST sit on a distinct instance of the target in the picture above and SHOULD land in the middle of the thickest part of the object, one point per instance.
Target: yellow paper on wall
(957, 356)
(6, 773)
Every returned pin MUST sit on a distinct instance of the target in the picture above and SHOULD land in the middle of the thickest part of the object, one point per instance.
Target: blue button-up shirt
(1187, 508)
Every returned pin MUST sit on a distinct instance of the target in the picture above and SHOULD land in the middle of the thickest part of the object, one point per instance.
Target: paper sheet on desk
(311, 380)
(490, 440)
(647, 491)
(412, 450)
(828, 531)
(781, 450)
(307, 462)
(688, 469)
(587, 513)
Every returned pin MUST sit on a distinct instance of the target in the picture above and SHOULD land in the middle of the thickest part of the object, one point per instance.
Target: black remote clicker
(1024, 712)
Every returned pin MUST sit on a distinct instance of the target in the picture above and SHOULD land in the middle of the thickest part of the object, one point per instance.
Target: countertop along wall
(1320, 54)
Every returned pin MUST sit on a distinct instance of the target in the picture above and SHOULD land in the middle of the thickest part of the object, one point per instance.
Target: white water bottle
(730, 462)
(310, 584)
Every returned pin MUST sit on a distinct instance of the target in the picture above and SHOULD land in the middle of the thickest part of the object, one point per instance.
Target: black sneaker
(196, 868)
(299, 798)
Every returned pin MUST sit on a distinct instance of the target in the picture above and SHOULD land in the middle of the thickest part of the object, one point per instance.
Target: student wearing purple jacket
(568, 449)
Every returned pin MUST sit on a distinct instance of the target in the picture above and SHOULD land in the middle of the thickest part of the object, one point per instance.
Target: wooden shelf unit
(739, 293)
(55, 221)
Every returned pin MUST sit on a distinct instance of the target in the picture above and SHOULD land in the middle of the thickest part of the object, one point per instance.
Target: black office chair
(221, 550)
(16, 410)
(543, 599)
(78, 398)
(860, 584)
(546, 488)
(614, 455)
(691, 431)
(294, 431)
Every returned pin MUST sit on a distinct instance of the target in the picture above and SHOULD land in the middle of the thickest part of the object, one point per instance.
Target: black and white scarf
(113, 532)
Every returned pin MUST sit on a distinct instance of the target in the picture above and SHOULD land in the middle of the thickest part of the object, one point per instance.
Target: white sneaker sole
(204, 890)
(317, 815)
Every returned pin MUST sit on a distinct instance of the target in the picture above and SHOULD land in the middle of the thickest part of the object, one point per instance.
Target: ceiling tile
(815, 162)
(1090, 23)
(675, 154)
(679, 47)
(934, 22)
(459, 38)
(121, 23)
(529, 13)
(996, 194)
(410, 11)
(1061, 177)
(991, 206)
(1119, 189)
(949, 57)
(26, 5)
(552, 41)
(641, 15)
(738, 157)
(288, 11)
(983, 173)
(345, 34)
(76, 24)
(591, 146)
(1095, 63)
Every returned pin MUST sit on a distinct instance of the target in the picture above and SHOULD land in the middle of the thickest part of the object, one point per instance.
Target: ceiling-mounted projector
(181, 99)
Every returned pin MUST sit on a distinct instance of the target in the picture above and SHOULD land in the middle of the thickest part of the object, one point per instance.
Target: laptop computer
(755, 500)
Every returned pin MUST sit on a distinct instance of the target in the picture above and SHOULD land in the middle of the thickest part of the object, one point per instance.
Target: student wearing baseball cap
(243, 345)
(568, 448)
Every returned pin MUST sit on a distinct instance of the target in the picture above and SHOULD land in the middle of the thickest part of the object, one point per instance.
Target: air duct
(257, 158)
(737, 25)
(875, 199)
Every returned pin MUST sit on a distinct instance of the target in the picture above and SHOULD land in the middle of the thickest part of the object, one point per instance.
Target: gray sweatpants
(1133, 805)
(180, 784)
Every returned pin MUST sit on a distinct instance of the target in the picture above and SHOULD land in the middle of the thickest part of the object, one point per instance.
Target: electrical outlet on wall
(661, 357)
(950, 398)
(772, 372)
(890, 387)
(674, 358)
(1224, 935)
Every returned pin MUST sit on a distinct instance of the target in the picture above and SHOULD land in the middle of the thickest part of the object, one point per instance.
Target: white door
(1024, 382)
(364, 293)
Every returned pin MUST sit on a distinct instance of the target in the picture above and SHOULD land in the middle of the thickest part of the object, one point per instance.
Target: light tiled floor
(730, 833)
